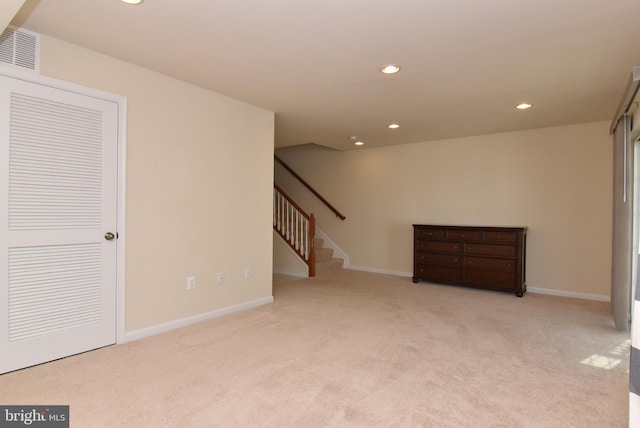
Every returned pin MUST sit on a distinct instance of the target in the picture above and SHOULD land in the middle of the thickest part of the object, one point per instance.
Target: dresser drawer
(464, 235)
(429, 233)
(438, 259)
(490, 250)
(489, 278)
(439, 246)
(500, 236)
(438, 273)
(506, 265)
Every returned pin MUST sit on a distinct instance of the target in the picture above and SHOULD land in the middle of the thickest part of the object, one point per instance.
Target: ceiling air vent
(20, 48)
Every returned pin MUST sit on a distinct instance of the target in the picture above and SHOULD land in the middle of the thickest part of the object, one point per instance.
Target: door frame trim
(121, 101)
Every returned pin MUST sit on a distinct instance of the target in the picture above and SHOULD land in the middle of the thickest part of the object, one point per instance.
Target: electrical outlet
(191, 282)
(220, 278)
(247, 273)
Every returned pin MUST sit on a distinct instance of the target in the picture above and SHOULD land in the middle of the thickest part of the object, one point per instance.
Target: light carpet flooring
(355, 349)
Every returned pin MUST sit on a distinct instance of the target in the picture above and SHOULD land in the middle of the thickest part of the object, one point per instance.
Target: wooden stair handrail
(291, 201)
(308, 186)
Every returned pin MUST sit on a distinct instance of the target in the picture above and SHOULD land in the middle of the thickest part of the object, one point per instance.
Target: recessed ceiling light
(359, 143)
(131, 1)
(390, 69)
(524, 106)
(394, 126)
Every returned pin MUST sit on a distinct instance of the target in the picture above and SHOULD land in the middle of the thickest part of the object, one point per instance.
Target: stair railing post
(312, 251)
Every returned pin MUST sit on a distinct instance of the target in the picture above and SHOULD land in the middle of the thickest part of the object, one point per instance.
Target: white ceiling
(315, 63)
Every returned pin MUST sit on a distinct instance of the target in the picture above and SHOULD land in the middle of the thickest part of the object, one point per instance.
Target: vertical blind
(622, 226)
(624, 306)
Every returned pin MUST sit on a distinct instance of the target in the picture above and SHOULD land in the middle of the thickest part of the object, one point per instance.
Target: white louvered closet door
(58, 187)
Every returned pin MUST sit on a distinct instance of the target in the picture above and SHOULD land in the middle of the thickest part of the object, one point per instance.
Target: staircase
(324, 258)
(298, 228)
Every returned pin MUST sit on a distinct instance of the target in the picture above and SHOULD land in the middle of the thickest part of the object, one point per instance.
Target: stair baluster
(295, 226)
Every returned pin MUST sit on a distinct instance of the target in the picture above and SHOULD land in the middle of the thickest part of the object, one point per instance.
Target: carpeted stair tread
(324, 258)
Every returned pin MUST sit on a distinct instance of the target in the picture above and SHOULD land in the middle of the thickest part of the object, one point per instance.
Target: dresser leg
(519, 293)
(415, 280)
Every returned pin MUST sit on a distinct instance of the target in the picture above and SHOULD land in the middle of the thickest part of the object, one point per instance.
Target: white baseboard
(382, 271)
(571, 294)
(535, 290)
(162, 328)
(337, 251)
(291, 272)
(341, 254)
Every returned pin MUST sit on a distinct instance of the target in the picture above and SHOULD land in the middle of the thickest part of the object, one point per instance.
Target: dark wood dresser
(475, 256)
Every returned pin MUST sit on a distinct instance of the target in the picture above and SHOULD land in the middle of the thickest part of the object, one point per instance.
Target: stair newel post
(312, 252)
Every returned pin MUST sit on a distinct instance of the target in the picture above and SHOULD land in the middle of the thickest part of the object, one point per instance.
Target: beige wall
(556, 181)
(198, 185)
(8, 9)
